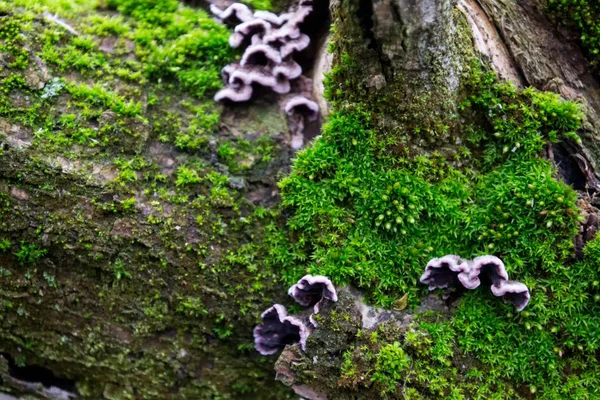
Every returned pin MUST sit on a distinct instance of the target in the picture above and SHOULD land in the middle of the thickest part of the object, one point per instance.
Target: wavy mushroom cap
(278, 330)
(272, 18)
(489, 268)
(301, 105)
(443, 272)
(235, 13)
(248, 76)
(295, 45)
(513, 292)
(310, 290)
(227, 71)
(236, 95)
(253, 27)
(290, 69)
(260, 54)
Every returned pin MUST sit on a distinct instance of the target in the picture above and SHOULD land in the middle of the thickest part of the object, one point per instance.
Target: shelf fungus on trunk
(279, 330)
(448, 271)
(513, 292)
(234, 14)
(443, 272)
(311, 291)
(489, 268)
(268, 61)
(300, 109)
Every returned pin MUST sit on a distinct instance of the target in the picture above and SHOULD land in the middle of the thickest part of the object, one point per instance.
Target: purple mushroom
(310, 290)
(443, 272)
(302, 106)
(490, 269)
(295, 45)
(236, 95)
(516, 293)
(279, 330)
(260, 54)
(274, 19)
(233, 14)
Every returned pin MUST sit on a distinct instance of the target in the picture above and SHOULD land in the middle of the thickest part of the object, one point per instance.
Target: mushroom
(227, 71)
(279, 330)
(516, 293)
(298, 109)
(310, 290)
(248, 76)
(232, 14)
(290, 69)
(301, 105)
(293, 45)
(273, 19)
(443, 272)
(255, 26)
(488, 268)
(260, 54)
(236, 95)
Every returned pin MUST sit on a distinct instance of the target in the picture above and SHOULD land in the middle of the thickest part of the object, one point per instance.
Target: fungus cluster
(271, 41)
(452, 271)
(278, 329)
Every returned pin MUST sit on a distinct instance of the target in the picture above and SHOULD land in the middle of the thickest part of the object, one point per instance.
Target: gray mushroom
(279, 330)
(513, 292)
(443, 272)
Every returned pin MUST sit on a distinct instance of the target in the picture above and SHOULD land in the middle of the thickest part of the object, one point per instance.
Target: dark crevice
(316, 26)
(39, 374)
(365, 18)
(568, 167)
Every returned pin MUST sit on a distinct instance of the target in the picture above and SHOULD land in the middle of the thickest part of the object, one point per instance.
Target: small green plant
(30, 253)
(187, 176)
(5, 245)
(120, 270)
(392, 364)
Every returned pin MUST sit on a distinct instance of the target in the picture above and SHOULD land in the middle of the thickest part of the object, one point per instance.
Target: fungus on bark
(235, 13)
(272, 41)
(516, 293)
(295, 45)
(488, 268)
(279, 330)
(300, 109)
(443, 272)
(260, 54)
(272, 18)
(233, 94)
(448, 271)
(310, 290)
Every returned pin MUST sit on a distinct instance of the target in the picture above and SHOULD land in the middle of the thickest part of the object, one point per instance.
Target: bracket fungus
(448, 271)
(278, 330)
(514, 292)
(271, 42)
(234, 14)
(300, 109)
(310, 290)
(443, 272)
